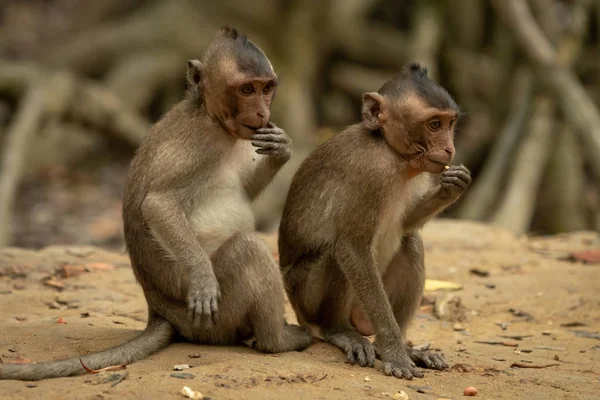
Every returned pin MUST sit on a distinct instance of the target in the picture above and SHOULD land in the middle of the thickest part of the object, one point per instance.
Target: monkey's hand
(272, 141)
(203, 299)
(454, 181)
(397, 362)
(427, 359)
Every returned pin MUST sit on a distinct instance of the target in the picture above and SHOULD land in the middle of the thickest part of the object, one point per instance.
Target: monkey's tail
(158, 334)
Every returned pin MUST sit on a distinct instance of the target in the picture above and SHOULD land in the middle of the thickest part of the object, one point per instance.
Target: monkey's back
(170, 142)
(334, 183)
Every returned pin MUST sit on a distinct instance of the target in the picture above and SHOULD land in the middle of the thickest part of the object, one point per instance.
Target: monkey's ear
(373, 110)
(194, 76)
(194, 72)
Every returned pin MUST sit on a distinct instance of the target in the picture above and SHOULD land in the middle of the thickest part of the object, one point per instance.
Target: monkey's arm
(452, 184)
(357, 262)
(165, 216)
(263, 175)
(273, 142)
(431, 205)
(167, 222)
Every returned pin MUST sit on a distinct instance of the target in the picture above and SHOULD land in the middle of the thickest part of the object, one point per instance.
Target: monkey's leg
(404, 281)
(252, 290)
(252, 301)
(334, 315)
(319, 293)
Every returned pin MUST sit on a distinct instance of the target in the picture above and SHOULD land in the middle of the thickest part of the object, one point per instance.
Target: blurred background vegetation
(81, 82)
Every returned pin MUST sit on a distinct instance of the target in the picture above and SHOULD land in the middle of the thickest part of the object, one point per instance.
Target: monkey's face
(435, 141)
(252, 106)
(419, 133)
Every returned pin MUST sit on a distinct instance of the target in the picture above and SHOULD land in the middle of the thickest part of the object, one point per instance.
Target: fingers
(457, 176)
(417, 373)
(370, 355)
(267, 145)
(429, 360)
(214, 310)
(271, 137)
(359, 355)
(204, 308)
(439, 362)
(272, 131)
(398, 372)
(454, 181)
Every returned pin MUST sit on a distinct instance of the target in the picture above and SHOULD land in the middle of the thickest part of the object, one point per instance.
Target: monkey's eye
(435, 125)
(452, 121)
(247, 89)
(269, 88)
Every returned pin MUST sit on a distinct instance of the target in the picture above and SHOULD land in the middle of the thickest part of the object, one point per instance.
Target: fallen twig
(496, 343)
(111, 368)
(524, 365)
(515, 337)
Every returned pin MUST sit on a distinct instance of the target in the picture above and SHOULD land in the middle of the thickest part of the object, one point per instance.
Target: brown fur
(350, 251)
(188, 224)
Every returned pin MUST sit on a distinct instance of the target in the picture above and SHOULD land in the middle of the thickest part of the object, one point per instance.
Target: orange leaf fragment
(586, 256)
(55, 283)
(69, 270)
(101, 266)
(61, 320)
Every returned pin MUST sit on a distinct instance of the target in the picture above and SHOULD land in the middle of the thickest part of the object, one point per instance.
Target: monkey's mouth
(251, 127)
(440, 163)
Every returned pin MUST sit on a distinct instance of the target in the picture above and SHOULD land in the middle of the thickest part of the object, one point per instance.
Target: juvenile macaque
(189, 227)
(350, 251)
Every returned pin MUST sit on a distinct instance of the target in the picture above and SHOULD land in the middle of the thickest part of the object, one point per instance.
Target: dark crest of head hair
(249, 57)
(413, 78)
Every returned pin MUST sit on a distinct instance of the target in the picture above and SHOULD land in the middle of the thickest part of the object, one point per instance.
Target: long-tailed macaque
(188, 221)
(350, 251)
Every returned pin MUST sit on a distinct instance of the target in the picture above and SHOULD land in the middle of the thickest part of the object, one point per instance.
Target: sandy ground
(105, 307)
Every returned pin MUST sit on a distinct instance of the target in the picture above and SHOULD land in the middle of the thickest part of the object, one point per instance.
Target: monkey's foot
(357, 348)
(297, 338)
(397, 361)
(293, 338)
(427, 359)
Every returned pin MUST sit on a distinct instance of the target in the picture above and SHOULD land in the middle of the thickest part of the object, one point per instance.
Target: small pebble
(546, 333)
(61, 320)
(180, 367)
(194, 355)
(401, 395)
(182, 375)
(367, 379)
(471, 391)
(458, 327)
(190, 394)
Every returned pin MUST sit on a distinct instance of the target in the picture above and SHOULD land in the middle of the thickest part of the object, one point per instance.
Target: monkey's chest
(223, 208)
(221, 215)
(388, 237)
